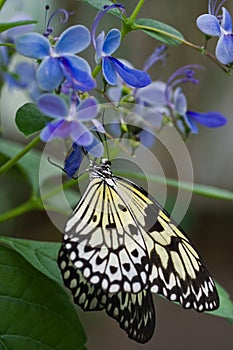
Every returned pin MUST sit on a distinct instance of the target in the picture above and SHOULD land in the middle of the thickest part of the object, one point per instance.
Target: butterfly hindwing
(134, 312)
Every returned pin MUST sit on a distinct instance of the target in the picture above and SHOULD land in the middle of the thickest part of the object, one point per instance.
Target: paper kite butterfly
(120, 246)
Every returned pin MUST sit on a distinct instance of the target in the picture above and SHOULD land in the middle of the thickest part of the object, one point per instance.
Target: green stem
(11, 162)
(96, 70)
(182, 41)
(135, 12)
(2, 2)
(29, 205)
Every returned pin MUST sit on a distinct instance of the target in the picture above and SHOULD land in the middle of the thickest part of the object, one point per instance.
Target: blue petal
(109, 71)
(80, 134)
(76, 61)
(209, 119)
(153, 94)
(99, 45)
(73, 161)
(209, 25)
(56, 129)
(112, 41)
(79, 78)
(224, 49)
(52, 105)
(33, 45)
(88, 109)
(73, 40)
(132, 77)
(190, 123)
(180, 101)
(49, 74)
(96, 148)
(226, 22)
(147, 138)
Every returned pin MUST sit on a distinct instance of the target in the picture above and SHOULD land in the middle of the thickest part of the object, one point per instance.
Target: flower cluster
(62, 84)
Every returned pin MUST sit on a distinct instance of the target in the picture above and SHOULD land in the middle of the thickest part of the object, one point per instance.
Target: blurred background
(208, 221)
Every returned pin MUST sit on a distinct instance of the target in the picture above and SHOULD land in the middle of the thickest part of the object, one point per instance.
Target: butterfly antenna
(104, 136)
(56, 165)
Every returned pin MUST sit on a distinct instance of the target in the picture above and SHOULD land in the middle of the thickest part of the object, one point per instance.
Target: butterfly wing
(103, 241)
(176, 269)
(134, 312)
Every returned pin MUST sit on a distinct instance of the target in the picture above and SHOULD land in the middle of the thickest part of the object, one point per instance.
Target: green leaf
(9, 25)
(41, 255)
(36, 312)
(226, 305)
(30, 120)
(160, 31)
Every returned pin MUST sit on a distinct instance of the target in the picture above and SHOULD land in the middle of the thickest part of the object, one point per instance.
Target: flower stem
(2, 2)
(11, 162)
(96, 70)
(183, 41)
(135, 12)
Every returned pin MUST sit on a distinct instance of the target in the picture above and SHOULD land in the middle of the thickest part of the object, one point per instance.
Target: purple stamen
(61, 20)
(98, 17)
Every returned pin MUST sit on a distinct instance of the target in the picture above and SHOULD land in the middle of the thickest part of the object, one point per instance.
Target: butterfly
(120, 246)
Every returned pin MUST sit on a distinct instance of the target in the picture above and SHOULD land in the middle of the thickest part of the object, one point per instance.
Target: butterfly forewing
(104, 243)
(177, 270)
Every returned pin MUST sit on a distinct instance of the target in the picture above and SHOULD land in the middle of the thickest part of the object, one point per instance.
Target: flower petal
(80, 134)
(73, 40)
(132, 77)
(52, 105)
(80, 78)
(209, 25)
(96, 148)
(153, 94)
(33, 45)
(224, 49)
(49, 74)
(56, 129)
(209, 119)
(226, 22)
(88, 109)
(112, 41)
(190, 123)
(73, 161)
(99, 45)
(180, 101)
(147, 138)
(109, 71)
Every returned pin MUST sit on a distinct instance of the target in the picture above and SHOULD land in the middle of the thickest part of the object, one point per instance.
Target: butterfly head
(102, 169)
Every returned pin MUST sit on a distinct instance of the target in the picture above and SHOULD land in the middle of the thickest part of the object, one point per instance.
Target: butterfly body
(120, 246)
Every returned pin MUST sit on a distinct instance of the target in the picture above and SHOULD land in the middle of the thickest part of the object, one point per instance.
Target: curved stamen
(63, 20)
(98, 17)
(182, 75)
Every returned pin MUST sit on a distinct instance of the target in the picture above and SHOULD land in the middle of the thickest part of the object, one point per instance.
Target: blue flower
(59, 61)
(169, 100)
(188, 119)
(68, 122)
(73, 160)
(111, 66)
(213, 24)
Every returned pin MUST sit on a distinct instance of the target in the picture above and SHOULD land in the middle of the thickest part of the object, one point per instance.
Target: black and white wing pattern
(120, 246)
(134, 312)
